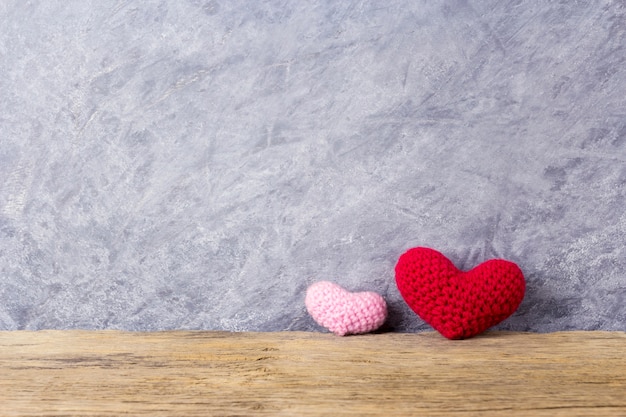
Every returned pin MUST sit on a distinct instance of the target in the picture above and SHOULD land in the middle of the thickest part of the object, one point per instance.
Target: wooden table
(109, 373)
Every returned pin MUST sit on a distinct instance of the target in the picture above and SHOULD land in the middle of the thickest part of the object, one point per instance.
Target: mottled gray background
(197, 164)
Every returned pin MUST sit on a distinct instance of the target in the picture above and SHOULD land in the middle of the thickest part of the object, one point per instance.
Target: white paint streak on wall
(17, 187)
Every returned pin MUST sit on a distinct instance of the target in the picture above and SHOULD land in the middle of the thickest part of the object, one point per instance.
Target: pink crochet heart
(343, 312)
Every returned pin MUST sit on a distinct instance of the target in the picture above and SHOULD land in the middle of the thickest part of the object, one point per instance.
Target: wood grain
(108, 373)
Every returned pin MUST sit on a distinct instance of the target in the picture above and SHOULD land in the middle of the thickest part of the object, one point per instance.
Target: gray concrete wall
(197, 164)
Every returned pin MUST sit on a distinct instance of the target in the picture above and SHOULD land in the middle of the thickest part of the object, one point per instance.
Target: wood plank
(110, 373)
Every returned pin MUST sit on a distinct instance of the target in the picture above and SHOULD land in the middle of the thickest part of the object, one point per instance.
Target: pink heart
(343, 312)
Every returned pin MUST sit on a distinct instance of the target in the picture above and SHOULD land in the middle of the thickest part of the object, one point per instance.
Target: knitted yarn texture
(343, 312)
(458, 304)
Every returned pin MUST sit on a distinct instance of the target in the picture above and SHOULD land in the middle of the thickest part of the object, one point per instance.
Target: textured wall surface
(196, 164)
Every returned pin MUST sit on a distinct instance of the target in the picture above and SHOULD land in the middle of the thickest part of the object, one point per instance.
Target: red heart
(458, 304)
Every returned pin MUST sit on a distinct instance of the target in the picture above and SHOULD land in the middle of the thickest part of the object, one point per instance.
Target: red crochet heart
(458, 304)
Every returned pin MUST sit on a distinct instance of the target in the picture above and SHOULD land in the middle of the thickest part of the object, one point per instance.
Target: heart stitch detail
(343, 312)
(458, 304)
